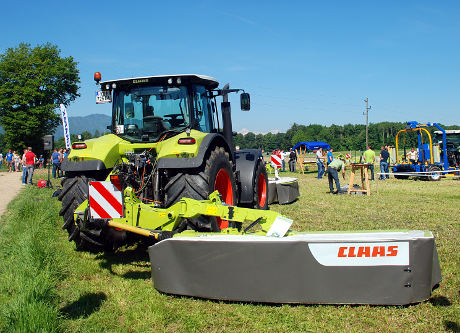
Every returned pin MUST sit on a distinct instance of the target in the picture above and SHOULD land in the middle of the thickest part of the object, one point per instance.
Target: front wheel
(93, 236)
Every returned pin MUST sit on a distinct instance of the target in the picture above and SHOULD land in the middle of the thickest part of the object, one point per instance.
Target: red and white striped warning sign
(276, 160)
(105, 201)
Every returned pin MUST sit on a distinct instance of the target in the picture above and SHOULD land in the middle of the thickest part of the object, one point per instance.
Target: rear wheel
(94, 236)
(435, 176)
(215, 174)
(260, 187)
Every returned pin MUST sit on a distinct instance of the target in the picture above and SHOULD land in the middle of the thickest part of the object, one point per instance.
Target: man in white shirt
(320, 162)
(412, 155)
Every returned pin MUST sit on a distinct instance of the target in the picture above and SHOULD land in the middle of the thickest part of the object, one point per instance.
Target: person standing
(369, 158)
(1, 159)
(283, 162)
(412, 155)
(320, 162)
(55, 159)
(9, 160)
(330, 156)
(30, 162)
(61, 158)
(384, 156)
(24, 167)
(292, 160)
(16, 159)
(332, 174)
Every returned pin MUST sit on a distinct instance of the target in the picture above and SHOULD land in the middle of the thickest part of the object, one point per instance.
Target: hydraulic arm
(161, 223)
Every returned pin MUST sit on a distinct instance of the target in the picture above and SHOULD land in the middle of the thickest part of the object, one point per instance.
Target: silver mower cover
(392, 268)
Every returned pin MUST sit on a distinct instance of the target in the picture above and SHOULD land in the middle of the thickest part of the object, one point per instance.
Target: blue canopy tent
(312, 145)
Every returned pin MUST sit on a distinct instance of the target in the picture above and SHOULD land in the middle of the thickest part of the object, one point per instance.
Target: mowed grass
(45, 285)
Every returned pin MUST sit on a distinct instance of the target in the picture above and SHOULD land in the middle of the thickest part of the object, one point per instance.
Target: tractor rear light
(115, 180)
(79, 146)
(186, 141)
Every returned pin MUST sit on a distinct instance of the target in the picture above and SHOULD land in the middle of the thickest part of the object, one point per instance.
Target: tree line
(340, 137)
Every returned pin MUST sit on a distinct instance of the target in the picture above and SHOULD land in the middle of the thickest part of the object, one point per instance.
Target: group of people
(27, 162)
(369, 158)
(56, 159)
(292, 159)
(16, 163)
(334, 166)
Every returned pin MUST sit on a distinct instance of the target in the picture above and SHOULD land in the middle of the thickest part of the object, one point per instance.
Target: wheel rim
(261, 190)
(223, 184)
(435, 176)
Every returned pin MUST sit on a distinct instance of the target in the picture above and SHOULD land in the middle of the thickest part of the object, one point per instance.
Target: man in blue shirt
(56, 160)
(330, 157)
(384, 155)
(9, 160)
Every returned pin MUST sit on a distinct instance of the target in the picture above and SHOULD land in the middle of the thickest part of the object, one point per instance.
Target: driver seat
(154, 124)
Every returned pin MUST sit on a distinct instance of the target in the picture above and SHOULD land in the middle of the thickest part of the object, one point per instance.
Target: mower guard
(387, 268)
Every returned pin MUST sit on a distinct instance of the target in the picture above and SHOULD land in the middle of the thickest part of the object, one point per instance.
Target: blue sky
(304, 62)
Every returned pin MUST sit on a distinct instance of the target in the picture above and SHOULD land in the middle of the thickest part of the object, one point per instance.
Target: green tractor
(167, 142)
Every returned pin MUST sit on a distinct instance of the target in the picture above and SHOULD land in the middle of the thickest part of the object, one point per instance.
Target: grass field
(45, 285)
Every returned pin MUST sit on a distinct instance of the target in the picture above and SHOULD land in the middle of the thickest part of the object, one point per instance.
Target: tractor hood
(104, 152)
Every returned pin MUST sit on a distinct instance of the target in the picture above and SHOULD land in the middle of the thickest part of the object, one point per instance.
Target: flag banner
(65, 126)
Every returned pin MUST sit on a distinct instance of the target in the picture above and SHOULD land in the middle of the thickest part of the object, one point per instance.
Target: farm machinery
(168, 174)
(167, 142)
(432, 157)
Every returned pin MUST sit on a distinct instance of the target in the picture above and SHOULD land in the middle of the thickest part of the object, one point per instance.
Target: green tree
(85, 135)
(33, 82)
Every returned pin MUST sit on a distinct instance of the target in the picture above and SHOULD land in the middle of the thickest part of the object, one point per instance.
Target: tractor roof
(207, 81)
(448, 132)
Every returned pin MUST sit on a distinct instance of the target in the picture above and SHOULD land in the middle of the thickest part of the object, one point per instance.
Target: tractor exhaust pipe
(227, 118)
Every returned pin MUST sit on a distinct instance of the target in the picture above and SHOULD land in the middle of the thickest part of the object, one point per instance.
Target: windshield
(144, 114)
(453, 139)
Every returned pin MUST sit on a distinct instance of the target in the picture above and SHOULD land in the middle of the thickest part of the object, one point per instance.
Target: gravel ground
(10, 186)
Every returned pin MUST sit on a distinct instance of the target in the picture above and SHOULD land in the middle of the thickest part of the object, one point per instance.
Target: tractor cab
(452, 145)
(146, 109)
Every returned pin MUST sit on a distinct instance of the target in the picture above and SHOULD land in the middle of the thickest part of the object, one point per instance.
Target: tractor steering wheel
(175, 120)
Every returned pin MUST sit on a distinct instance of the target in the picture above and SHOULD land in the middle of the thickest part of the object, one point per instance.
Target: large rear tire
(215, 174)
(260, 200)
(94, 236)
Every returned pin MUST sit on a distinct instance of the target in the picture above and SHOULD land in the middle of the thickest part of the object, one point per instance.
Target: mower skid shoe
(386, 268)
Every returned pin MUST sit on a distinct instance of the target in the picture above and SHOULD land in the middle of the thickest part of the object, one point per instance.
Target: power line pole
(367, 121)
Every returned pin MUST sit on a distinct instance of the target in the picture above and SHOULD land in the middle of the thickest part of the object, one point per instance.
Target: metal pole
(367, 121)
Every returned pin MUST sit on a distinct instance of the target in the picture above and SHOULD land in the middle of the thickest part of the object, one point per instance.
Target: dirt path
(10, 185)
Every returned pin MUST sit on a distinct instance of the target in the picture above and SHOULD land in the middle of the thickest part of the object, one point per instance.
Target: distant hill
(89, 123)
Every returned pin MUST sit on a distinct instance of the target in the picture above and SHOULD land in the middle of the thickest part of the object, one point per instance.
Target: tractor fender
(91, 165)
(246, 162)
(211, 140)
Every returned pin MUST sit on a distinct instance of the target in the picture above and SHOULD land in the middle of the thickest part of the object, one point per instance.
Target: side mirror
(245, 101)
